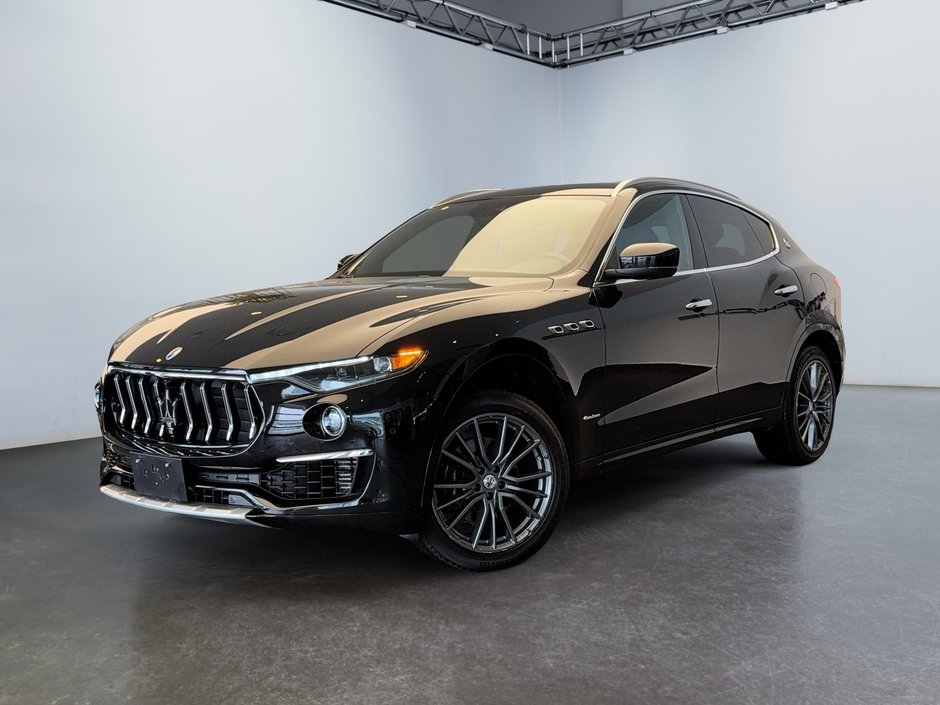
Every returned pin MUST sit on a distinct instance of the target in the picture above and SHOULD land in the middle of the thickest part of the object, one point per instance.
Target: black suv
(449, 382)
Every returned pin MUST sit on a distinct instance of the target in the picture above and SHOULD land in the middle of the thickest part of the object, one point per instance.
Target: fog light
(333, 421)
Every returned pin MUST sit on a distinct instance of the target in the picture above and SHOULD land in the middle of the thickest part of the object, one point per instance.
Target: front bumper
(372, 476)
(380, 498)
(231, 515)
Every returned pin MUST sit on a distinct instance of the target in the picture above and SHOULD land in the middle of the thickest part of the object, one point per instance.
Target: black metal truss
(644, 31)
(678, 22)
(463, 23)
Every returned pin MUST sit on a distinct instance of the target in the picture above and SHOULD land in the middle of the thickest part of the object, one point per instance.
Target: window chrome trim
(700, 270)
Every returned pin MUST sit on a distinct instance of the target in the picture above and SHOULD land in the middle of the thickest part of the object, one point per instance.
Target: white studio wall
(158, 152)
(828, 122)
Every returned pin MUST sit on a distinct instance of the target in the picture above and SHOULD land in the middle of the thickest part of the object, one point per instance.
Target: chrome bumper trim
(232, 515)
(333, 455)
(216, 512)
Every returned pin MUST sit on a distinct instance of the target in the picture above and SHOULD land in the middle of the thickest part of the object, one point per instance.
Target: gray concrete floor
(706, 576)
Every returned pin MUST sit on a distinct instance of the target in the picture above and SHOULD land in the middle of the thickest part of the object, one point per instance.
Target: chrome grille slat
(144, 403)
(156, 395)
(190, 420)
(254, 426)
(130, 394)
(120, 396)
(191, 413)
(206, 411)
(228, 413)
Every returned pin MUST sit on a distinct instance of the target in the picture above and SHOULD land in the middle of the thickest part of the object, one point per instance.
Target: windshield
(520, 236)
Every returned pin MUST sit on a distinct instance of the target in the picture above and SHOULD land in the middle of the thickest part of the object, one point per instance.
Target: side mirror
(345, 260)
(646, 260)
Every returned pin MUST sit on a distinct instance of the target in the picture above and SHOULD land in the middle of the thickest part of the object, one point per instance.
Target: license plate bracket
(159, 478)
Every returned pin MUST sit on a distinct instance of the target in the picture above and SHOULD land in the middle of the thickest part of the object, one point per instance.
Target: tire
(803, 434)
(493, 512)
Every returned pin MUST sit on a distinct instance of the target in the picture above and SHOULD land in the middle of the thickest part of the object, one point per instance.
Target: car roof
(611, 188)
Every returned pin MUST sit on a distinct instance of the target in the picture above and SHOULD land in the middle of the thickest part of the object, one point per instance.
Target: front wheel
(500, 479)
(802, 436)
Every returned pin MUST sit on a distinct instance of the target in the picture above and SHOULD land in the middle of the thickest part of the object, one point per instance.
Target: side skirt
(752, 422)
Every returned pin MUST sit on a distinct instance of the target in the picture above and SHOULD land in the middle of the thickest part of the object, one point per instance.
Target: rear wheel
(500, 479)
(802, 436)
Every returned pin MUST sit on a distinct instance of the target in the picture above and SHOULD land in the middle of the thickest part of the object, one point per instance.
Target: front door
(661, 380)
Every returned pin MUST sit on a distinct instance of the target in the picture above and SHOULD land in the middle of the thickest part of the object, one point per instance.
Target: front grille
(116, 459)
(162, 408)
(121, 479)
(219, 495)
(320, 479)
(313, 480)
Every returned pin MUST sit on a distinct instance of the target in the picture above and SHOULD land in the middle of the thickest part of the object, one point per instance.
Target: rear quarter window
(763, 232)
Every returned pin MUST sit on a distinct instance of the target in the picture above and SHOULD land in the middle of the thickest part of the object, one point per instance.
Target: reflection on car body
(450, 381)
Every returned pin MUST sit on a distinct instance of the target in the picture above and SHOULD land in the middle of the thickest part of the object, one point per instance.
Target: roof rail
(622, 185)
(456, 196)
(675, 182)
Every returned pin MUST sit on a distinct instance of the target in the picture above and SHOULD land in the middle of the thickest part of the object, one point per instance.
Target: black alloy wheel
(500, 480)
(803, 434)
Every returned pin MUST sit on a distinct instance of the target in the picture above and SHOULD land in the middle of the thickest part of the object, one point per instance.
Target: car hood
(319, 321)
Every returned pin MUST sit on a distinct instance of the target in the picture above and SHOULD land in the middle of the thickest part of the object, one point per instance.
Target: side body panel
(758, 331)
(823, 298)
(661, 379)
(519, 333)
(661, 361)
(761, 306)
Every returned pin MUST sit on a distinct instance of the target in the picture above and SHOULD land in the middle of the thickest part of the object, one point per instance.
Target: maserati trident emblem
(166, 408)
(173, 353)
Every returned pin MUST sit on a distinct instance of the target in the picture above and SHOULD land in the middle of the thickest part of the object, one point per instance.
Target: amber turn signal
(406, 357)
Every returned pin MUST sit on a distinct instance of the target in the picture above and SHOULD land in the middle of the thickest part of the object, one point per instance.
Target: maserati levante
(449, 382)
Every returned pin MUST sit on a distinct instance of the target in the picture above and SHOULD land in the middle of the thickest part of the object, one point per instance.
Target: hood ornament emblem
(173, 353)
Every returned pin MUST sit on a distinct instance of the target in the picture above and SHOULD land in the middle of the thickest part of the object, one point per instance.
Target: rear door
(759, 301)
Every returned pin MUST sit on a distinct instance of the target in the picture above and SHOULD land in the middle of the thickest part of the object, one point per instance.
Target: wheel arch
(823, 337)
(520, 366)
(511, 365)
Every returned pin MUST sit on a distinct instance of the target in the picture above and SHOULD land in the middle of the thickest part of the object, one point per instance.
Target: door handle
(698, 304)
(787, 290)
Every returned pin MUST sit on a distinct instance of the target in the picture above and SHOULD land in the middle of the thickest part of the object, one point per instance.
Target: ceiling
(557, 16)
(560, 34)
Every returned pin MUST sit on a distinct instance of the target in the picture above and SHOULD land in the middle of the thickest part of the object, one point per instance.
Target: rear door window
(726, 232)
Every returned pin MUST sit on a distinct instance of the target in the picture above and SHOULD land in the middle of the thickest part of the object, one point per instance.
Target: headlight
(343, 374)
